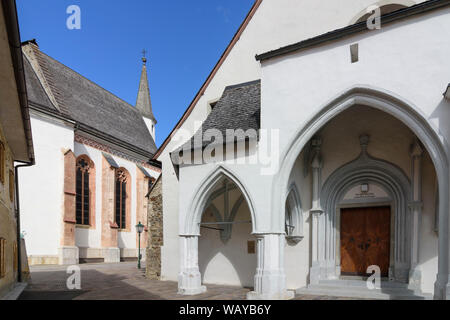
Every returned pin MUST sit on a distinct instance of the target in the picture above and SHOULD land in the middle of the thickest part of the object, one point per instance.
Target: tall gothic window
(2, 162)
(2, 257)
(83, 198)
(121, 198)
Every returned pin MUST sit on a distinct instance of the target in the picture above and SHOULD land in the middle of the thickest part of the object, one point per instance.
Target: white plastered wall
(390, 140)
(275, 24)
(402, 59)
(41, 187)
(407, 59)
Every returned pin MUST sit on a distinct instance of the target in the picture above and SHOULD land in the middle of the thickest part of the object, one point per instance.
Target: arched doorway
(323, 241)
(368, 183)
(269, 277)
(227, 248)
(222, 216)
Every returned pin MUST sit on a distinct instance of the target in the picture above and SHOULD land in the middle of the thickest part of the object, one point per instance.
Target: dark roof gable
(238, 108)
(88, 104)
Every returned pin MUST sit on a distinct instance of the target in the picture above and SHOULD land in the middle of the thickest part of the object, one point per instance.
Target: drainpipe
(16, 183)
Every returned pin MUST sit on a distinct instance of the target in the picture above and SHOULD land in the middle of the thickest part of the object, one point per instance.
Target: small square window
(354, 52)
(364, 188)
(211, 105)
(251, 247)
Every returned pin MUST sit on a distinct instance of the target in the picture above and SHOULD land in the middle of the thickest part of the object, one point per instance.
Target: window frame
(293, 217)
(89, 170)
(11, 185)
(2, 258)
(2, 162)
(122, 179)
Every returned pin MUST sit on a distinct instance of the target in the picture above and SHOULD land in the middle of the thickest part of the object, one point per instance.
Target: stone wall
(155, 231)
(8, 235)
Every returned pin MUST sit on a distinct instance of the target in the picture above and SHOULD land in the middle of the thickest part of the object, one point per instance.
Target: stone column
(316, 212)
(442, 284)
(270, 279)
(109, 229)
(189, 278)
(68, 253)
(416, 213)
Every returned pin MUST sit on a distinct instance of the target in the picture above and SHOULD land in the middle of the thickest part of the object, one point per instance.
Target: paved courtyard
(120, 281)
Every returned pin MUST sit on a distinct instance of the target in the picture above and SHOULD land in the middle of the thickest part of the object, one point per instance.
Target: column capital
(316, 211)
(316, 142)
(415, 205)
(189, 235)
(263, 234)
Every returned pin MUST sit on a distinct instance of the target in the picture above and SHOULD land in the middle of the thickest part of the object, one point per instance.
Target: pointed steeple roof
(143, 102)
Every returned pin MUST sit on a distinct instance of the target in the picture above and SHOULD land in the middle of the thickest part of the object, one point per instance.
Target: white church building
(86, 193)
(341, 162)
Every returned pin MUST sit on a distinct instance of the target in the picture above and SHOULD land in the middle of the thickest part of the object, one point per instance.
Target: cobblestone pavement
(120, 281)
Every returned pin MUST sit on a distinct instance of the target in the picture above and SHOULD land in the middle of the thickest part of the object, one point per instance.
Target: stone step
(358, 289)
(384, 294)
(396, 291)
(362, 283)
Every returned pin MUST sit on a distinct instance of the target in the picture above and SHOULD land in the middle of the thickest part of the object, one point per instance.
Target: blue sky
(184, 40)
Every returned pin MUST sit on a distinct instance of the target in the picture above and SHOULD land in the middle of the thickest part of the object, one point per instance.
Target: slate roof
(238, 108)
(35, 91)
(87, 103)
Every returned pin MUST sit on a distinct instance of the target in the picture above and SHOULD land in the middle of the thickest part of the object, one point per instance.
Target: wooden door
(365, 240)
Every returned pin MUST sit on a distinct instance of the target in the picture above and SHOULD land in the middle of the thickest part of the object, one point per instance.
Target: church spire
(143, 102)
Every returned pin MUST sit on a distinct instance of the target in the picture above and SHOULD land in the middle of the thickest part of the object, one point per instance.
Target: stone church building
(341, 164)
(83, 198)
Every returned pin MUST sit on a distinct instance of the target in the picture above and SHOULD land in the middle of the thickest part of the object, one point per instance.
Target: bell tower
(143, 102)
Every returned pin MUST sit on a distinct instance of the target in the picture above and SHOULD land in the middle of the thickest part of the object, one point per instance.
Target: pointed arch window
(121, 196)
(293, 217)
(2, 162)
(84, 177)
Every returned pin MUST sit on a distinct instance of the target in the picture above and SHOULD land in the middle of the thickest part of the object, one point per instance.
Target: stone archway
(190, 278)
(203, 194)
(364, 169)
(269, 279)
(410, 115)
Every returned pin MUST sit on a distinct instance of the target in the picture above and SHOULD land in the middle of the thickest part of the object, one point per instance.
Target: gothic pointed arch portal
(205, 193)
(410, 115)
(365, 170)
(220, 220)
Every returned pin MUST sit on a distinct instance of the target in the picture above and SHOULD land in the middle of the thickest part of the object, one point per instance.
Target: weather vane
(144, 59)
